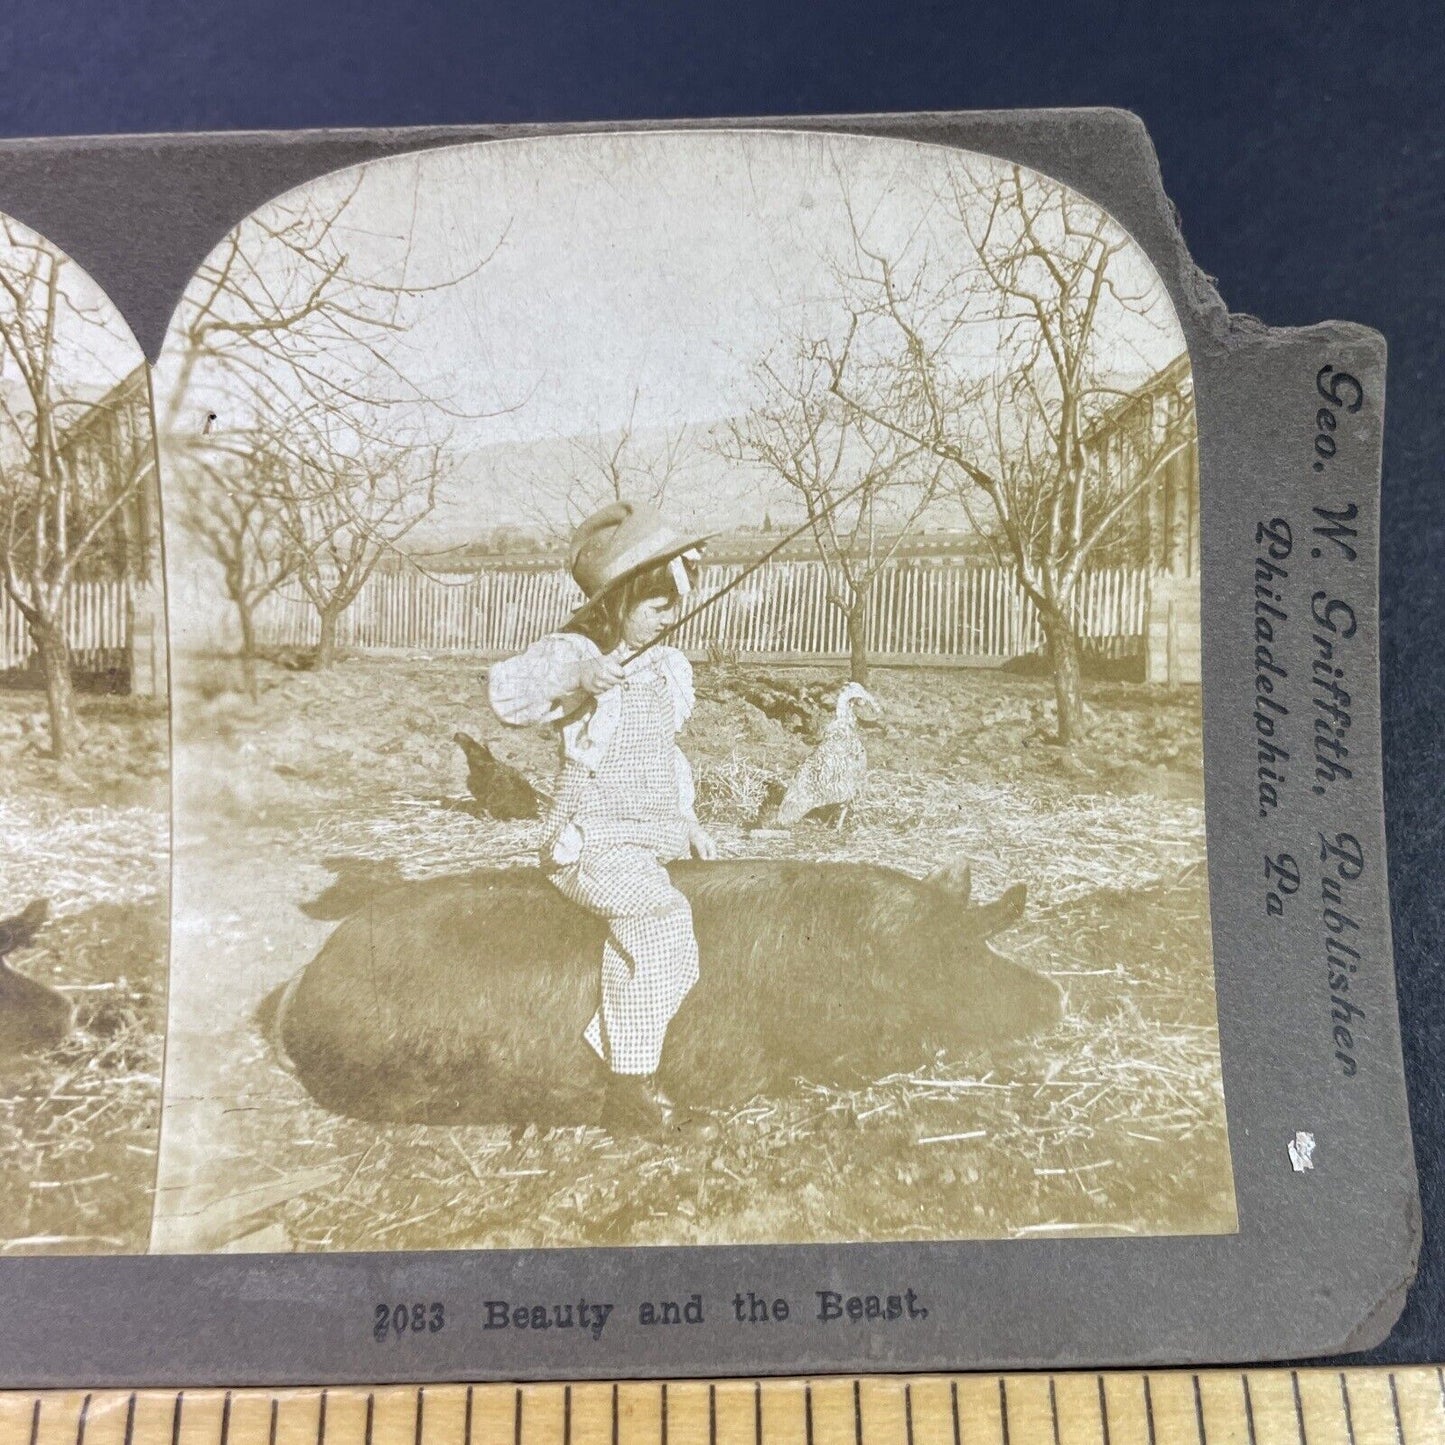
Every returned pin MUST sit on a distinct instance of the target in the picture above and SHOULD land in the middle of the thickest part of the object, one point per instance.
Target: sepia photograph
(84, 803)
(686, 709)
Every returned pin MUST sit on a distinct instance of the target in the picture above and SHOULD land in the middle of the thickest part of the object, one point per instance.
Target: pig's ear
(990, 918)
(953, 878)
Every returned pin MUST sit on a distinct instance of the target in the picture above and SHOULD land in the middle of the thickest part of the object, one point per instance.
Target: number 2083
(394, 1321)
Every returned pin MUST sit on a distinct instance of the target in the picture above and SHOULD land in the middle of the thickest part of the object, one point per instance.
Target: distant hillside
(525, 497)
(520, 551)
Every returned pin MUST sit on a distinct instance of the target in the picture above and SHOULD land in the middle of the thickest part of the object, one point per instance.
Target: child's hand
(599, 674)
(700, 840)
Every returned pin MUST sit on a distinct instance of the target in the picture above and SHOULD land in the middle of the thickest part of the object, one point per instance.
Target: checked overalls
(611, 829)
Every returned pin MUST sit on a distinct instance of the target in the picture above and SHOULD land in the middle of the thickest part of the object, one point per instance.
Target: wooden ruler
(1252, 1407)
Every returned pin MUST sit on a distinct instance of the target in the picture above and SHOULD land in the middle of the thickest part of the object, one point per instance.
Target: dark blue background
(1303, 145)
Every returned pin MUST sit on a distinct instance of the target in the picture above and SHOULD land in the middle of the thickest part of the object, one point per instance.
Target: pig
(33, 1016)
(461, 999)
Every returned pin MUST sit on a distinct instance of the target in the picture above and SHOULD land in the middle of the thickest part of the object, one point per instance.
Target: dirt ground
(292, 807)
(78, 1125)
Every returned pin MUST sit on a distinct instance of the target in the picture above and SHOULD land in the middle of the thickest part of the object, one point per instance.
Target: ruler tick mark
(1395, 1406)
(922, 1418)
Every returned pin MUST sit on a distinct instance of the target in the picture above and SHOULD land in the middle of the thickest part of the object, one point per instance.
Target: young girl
(624, 800)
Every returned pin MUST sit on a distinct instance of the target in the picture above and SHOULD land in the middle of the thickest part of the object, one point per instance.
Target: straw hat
(621, 539)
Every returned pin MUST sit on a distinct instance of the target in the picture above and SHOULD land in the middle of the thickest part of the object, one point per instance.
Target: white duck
(836, 774)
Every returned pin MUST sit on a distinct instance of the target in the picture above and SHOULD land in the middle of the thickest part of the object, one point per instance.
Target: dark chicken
(499, 790)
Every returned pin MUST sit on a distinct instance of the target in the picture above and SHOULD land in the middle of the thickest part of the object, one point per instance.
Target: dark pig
(462, 999)
(32, 1016)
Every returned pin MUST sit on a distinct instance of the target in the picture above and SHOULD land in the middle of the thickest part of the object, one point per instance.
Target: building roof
(1176, 378)
(130, 390)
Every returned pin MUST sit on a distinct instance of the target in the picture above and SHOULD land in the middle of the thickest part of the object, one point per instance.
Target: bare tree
(861, 485)
(343, 503)
(289, 310)
(1049, 286)
(610, 466)
(233, 508)
(293, 334)
(55, 516)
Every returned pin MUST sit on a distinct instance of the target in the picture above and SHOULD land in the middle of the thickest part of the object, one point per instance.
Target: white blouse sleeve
(679, 677)
(540, 684)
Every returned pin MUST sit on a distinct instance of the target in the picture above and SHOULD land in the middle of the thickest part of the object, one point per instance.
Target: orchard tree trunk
(246, 619)
(248, 646)
(858, 637)
(1066, 662)
(326, 644)
(54, 654)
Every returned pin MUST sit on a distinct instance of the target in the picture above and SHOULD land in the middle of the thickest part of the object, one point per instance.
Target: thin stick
(751, 568)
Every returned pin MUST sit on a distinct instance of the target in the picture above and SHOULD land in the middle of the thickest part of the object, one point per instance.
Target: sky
(586, 281)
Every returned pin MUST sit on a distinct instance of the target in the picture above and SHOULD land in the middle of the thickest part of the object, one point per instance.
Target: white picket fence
(98, 626)
(942, 611)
